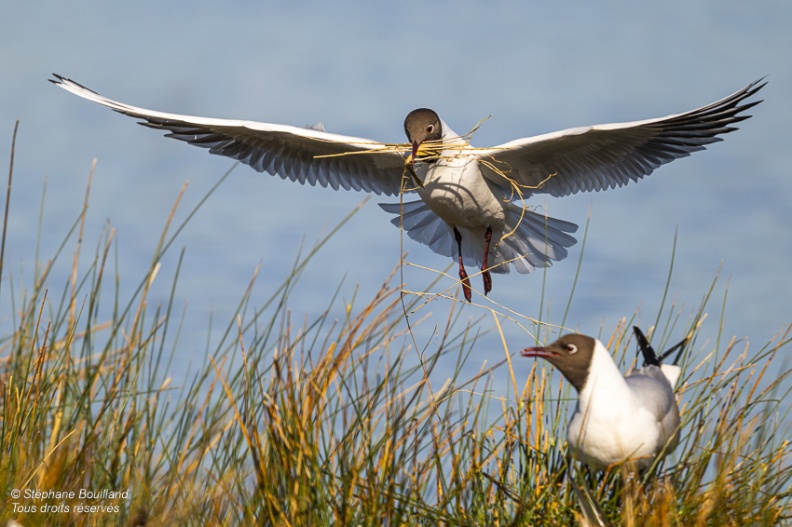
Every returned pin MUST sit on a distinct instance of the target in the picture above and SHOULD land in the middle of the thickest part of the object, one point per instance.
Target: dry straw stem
(346, 419)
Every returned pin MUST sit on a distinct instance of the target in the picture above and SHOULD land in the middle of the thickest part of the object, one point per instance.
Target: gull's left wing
(305, 155)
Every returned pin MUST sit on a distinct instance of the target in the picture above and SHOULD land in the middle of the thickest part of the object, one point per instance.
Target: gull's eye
(571, 349)
(430, 129)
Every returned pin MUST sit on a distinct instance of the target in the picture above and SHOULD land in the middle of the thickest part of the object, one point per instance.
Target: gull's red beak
(536, 352)
(415, 146)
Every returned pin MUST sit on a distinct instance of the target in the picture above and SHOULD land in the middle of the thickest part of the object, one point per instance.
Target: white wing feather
(290, 152)
(611, 155)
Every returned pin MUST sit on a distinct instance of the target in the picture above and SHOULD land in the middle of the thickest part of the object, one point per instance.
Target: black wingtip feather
(678, 346)
(650, 357)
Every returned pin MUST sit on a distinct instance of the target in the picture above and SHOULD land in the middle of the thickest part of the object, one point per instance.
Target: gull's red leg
(463, 276)
(484, 266)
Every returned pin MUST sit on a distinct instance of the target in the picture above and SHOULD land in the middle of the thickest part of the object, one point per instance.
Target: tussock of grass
(336, 421)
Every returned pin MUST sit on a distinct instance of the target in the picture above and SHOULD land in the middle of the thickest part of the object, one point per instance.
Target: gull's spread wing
(611, 155)
(290, 152)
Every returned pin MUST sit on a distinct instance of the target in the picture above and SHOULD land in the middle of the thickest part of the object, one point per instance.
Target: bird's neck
(450, 136)
(605, 385)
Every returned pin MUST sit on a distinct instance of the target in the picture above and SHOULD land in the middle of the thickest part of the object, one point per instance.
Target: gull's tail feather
(531, 240)
(422, 225)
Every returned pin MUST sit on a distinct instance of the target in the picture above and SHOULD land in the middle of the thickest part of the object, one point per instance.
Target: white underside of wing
(307, 155)
(592, 158)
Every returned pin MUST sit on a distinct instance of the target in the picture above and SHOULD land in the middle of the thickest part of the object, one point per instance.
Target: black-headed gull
(471, 198)
(633, 418)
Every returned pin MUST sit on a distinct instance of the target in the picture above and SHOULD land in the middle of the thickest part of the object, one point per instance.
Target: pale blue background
(359, 67)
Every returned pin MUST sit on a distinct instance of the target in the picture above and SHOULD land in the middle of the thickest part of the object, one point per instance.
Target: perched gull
(471, 199)
(617, 419)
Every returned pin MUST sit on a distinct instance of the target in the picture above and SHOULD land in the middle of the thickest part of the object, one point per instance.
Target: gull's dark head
(571, 354)
(422, 125)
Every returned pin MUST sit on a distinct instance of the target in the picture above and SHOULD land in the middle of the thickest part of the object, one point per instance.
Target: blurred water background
(359, 67)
